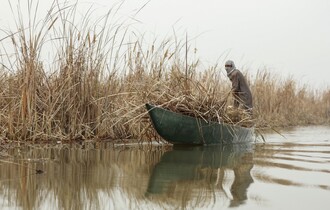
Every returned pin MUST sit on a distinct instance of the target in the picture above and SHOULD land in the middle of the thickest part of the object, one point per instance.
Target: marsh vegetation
(96, 81)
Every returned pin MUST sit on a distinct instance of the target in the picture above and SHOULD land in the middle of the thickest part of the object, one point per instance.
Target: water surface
(283, 173)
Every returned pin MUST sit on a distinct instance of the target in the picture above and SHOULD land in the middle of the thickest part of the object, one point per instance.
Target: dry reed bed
(99, 82)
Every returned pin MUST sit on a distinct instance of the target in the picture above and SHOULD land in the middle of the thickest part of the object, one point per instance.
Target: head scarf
(230, 67)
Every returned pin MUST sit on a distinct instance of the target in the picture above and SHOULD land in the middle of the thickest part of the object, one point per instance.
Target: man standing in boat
(240, 88)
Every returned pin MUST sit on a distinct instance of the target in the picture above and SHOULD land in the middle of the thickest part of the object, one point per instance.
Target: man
(241, 91)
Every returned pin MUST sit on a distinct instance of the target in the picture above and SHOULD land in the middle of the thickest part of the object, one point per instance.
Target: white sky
(289, 37)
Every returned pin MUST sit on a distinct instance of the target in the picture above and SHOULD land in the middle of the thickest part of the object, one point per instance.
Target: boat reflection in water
(220, 171)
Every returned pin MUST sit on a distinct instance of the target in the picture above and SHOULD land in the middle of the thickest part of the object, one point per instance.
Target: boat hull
(182, 129)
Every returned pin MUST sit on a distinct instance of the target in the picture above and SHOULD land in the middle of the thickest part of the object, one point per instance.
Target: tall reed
(98, 80)
(283, 102)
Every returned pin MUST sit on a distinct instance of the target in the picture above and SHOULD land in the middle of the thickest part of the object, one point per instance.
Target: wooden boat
(182, 129)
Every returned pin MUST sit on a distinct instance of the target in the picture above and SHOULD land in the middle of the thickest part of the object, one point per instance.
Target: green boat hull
(182, 129)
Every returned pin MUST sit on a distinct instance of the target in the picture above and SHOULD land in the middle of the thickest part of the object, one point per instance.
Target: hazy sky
(285, 36)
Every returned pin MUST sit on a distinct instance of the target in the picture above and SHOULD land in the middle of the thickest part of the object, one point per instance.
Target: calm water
(284, 173)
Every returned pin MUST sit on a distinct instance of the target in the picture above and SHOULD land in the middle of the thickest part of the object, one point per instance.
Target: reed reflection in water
(74, 177)
(280, 174)
(99, 176)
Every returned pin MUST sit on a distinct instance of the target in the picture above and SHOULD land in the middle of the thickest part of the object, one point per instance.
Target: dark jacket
(241, 91)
